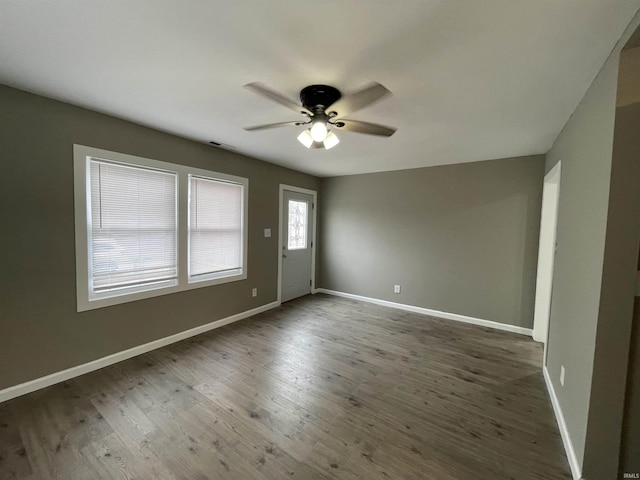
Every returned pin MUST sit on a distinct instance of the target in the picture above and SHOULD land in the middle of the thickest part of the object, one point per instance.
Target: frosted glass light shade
(305, 138)
(331, 140)
(318, 131)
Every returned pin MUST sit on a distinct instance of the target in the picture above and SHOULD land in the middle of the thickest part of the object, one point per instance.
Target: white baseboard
(42, 382)
(432, 313)
(564, 433)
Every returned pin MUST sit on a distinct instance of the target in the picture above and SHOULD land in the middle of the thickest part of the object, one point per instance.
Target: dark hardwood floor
(321, 387)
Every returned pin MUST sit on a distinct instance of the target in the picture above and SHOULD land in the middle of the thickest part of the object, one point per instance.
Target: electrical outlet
(254, 292)
(396, 289)
(562, 375)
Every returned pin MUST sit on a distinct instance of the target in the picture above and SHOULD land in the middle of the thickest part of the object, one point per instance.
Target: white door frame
(314, 194)
(546, 254)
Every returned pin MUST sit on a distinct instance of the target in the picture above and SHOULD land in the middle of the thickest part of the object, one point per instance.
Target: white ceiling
(472, 79)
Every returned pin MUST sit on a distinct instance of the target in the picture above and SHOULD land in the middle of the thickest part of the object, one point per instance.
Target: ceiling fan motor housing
(318, 97)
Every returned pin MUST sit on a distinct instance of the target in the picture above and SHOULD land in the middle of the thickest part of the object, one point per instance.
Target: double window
(147, 228)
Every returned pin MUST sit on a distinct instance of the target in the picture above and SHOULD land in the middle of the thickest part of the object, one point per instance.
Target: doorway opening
(546, 254)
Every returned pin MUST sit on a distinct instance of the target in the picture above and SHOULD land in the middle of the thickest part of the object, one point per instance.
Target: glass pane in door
(297, 230)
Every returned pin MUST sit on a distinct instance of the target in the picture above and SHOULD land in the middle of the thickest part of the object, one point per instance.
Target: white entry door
(297, 242)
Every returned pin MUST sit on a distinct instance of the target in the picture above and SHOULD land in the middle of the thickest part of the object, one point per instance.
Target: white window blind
(215, 228)
(133, 228)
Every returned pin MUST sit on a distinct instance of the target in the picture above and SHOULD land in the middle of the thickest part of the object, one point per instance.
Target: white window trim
(81, 157)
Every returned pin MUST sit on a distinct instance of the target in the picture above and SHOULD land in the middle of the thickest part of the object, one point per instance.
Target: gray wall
(459, 238)
(594, 277)
(627, 152)
(615, 312)
(630, 452)
(40, 330)
(585, 148)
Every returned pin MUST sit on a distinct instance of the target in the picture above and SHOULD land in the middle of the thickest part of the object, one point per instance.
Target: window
(215, 228)
(146, 228)
(297, 238)
(133, 230)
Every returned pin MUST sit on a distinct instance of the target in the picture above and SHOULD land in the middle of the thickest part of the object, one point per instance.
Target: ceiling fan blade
(272, 125)
(365, 127)
(360, 99)
(265, 91)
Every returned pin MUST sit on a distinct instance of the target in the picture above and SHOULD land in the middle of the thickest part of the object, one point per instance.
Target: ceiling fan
(324, 108)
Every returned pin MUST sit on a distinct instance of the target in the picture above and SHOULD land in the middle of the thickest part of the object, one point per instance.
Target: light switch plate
(267, 232)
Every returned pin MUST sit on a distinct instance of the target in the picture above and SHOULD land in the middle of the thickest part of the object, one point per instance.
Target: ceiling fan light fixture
(331, 140)
(319, 131)
(324, 107)
(305, 138)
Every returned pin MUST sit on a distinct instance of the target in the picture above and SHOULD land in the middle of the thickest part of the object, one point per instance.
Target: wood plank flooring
(319, 388)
